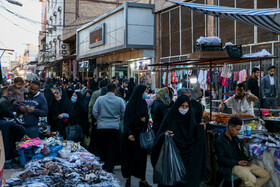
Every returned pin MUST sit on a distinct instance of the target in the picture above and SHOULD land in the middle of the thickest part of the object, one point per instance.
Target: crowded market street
(128, 93)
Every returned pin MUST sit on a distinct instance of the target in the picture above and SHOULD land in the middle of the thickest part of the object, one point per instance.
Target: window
(175, 32)
(226, 28)
(165, 42)
(244, 31)
(186, 31)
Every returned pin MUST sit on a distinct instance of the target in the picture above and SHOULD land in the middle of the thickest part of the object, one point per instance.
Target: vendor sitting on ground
(232, 159)
(241, 103)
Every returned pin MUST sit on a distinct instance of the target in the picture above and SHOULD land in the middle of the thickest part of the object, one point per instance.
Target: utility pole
(4, 50)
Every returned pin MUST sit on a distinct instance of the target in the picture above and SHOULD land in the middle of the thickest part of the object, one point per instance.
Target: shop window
(226, 26)
(175, 32)
(198, 23)
(265, 35)
(164, 32)
(186, 32)
(244, 31)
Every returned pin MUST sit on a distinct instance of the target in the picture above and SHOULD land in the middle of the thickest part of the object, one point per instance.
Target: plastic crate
(234, 51)
(202, 47)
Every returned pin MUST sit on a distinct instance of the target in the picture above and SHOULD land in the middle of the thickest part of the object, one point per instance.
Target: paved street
(135, 181)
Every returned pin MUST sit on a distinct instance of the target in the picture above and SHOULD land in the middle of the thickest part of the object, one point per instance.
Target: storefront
(122, 43)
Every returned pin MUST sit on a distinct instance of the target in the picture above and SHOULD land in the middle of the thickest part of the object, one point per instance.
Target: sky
(16, 33)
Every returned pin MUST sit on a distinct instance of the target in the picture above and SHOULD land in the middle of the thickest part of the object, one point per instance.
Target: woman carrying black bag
(135, 122)
(61, 112)
(188, 137)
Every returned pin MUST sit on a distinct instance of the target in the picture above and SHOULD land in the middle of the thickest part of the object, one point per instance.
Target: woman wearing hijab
(70, 91)
(131, 85)
(198, 108)
(62, 112)
(83, 112)
(135, 122)
(160, 106)
(188, 137)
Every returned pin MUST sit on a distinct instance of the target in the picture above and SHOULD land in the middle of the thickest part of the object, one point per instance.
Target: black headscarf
(69, 91)
(135, 109)
(137, 103)
(131, 85)
(85, 101)
(182, 125)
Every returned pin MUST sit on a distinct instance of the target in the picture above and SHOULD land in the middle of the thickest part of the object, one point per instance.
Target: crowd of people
(112, 115)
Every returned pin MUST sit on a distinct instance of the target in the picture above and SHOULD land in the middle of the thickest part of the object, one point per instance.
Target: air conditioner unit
(64, 49)
(51, 18)
(54, 28)
(48, 22)
(59, 9)
(54, 14)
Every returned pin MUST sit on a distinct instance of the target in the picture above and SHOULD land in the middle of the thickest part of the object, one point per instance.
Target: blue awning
(268, 19)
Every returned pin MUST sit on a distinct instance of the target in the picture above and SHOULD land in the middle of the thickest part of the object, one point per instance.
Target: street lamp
(14, 2)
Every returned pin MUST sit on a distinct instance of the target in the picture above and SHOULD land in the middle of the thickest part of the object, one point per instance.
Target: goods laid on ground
(52, 162)
(80, 169)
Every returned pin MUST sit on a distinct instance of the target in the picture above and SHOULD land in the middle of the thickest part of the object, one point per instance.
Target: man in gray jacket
(108, 111)
(269, 89)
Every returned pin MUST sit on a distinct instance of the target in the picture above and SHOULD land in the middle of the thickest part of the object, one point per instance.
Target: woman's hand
(131, 138)
(143, 119)
(60, 116)
(169, 133)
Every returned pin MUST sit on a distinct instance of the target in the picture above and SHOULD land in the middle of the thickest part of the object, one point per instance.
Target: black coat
(158, 111)
(58, 107)
(189, 138)
(134, 157)
(11, 133)
(198, 111)
(225, 156)
(6, 108)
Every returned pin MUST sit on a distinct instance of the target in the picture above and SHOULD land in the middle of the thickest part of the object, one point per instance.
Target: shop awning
(268, 19)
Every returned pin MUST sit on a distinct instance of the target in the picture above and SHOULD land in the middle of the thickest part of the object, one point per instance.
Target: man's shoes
(144, 184)
(128, 183)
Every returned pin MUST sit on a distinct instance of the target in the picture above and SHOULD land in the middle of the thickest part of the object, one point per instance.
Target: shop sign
(97, 36)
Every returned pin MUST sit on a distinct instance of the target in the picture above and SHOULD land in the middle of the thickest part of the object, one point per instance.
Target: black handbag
(74, 132)
(147, 139)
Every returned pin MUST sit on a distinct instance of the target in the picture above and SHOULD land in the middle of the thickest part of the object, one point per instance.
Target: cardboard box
(209, 54)
(2, 159)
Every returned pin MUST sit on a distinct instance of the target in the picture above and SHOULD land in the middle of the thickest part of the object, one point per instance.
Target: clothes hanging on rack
(242, 76)
(235, 76)
(202, 79)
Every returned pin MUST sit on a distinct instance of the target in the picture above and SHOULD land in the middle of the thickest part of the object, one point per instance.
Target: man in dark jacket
(6, 108)
(233, 161)
(122, 91)
(252, 84)
(36, 106)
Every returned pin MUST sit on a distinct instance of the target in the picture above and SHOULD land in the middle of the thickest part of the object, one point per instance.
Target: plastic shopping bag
(169, 169)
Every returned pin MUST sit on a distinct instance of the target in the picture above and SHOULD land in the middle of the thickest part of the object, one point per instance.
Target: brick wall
(88, 10)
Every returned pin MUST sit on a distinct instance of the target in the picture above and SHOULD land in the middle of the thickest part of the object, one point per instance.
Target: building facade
(120, 43)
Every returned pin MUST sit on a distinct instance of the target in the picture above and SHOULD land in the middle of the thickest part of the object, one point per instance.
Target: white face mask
(58, 98)
(183, 111)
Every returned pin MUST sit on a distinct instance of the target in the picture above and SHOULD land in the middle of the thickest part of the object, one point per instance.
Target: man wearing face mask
(108, 110)
(269, 89)
(36, 106)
